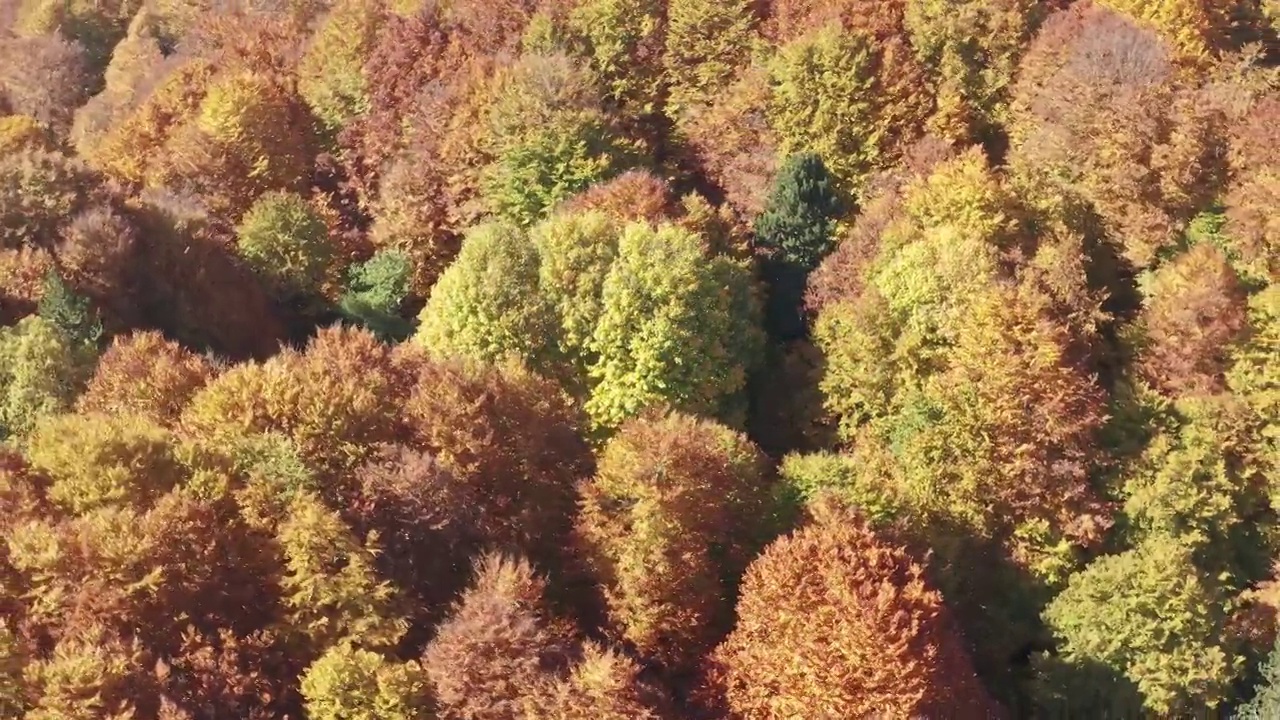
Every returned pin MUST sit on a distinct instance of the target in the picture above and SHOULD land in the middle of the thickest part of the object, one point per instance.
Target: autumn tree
(1084, 119)
(676, 510)
(43, 371)
(498, 645)
(144, 374)
(1194, 311)
(707, 44)
(837, 621)
(413, 501)
(330, 589)
(353, 684)
(1196, 29)
(487, 306)
(285, 240)
(98, 254)
(622, 45)
(335, 400)
(46, 78)
(604, 685)
(796, 230)
(837, 93)
(94, 461)
(194, 288)
(634, 196)
(1151, 618)
(330, 74)
(575, 251)
(1252, 377)
(512, 438)
(973, 48)
(677, 327)
(548, 136)
(39, 192)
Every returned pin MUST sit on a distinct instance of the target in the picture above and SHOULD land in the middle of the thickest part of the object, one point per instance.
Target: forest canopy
(639, 359)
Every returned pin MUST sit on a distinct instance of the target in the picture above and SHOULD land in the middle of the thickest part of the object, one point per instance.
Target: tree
(376, 291)
(45, 77)
(330, 73)
(512, 438)
(732, 137)
(836, 621)
(1083, 120)
(23, 132)
(603, 685)
(1197, 29)
(633, 196)
(622, 44)
(285, 240)
(487, 306)
(428, 522)
(98, 256)
(576, 251)
(331, 592)
(39, 192)
(796, 229)
(41, 372)
(548, 138)
(146, 375)
(707, 43)
(973, 48)
(71, 314)
(94, 461)
(336, 400)
(677, 328)
(1149, 616)
(86, 677)
(833, 93)
(1195, 310)
(1266, 698)
(676, 510)
(347, 683)
(499, 645)
(1253, 376)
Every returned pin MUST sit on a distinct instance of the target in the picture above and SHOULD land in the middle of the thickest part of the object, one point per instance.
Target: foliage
(1151, 617)
(45, 77)
(974, 48)
(284, 239)
(350, 683)
(330, 76)
(375, 292)
(94, 461)
(707, 42)
(513, 439)
(39, 191)
(795, 228)
(675, 512)
(486, 306)
(330, 589)
(144, 374)
(832, 94)
(332, 400)
(1266, 699)
(69, 313)
(676, 328)
(42, 373)
(1195, 310)
(491, 654)
(576, 251)
(834, 617)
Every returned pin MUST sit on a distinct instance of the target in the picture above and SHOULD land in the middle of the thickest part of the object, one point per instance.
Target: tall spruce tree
(796, 228)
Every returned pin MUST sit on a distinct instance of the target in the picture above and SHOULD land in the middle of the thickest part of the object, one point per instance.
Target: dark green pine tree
(71, 313)
(796, 229)
(1266, 700)
(375, 294)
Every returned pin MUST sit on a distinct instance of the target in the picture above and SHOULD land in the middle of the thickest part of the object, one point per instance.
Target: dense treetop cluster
(639, 359)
